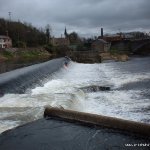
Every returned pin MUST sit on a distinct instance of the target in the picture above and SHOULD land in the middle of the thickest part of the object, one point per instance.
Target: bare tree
(48, 33)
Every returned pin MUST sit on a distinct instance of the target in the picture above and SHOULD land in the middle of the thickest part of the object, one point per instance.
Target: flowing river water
(128, 97)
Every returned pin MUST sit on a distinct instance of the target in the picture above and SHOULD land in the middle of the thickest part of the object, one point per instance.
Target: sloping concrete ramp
(99, 120)
(19, 80)
(70, 130)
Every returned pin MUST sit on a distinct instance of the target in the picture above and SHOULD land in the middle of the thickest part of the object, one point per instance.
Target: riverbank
(14, 58)
(23, 54)
(115, 56)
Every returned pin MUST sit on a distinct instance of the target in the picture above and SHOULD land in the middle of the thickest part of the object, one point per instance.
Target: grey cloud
(85, 16)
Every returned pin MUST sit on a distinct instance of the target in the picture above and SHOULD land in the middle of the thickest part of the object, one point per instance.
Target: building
(113, 38)
(60, 41)
(128, 36)
(100, 45)
(5, 42)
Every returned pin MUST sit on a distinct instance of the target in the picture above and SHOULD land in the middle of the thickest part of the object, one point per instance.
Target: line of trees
(23, 34)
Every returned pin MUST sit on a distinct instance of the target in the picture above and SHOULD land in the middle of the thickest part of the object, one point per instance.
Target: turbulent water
(128, 98)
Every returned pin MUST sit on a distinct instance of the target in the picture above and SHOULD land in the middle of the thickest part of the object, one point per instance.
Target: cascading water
(128, 97)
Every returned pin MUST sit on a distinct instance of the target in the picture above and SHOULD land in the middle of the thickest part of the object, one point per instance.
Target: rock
(123, 57)
(105, 56)
(120, 57)
(116, 57)
(95, 88)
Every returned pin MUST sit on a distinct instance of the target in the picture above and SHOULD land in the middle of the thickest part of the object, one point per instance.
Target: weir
(19, 80)
(64, 128)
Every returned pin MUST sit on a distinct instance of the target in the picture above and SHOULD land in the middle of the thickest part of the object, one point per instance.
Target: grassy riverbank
(23, 54)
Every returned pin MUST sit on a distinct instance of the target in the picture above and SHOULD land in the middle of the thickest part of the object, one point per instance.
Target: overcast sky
(83, 16)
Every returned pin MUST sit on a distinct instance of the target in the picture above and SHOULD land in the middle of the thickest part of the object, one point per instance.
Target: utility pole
(102, 34)
(9, 13)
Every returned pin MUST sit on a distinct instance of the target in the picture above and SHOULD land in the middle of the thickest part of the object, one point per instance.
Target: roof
(100, 41)
(103, 41)
(60, 39)
(4, 37)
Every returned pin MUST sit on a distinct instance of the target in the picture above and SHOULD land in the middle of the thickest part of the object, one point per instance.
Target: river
(128, 97)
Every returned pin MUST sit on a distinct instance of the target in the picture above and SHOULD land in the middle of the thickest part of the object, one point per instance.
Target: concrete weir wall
(104, 121)
(19, 80)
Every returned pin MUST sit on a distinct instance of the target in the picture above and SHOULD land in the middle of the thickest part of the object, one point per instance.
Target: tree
(74, 38)
(22, 33)
(48, 33)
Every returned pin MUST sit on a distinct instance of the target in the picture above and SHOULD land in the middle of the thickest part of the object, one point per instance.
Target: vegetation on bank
(23, 34)
(57, 51)
(23, 55)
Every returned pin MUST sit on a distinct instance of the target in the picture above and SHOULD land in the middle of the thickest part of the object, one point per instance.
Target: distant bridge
(131, 45)
(136, 48)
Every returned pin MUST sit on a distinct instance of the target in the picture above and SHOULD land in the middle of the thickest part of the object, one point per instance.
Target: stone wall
(85, 56)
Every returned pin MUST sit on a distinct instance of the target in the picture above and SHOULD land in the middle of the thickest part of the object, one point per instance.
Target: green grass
(7, 54)
(24, 55)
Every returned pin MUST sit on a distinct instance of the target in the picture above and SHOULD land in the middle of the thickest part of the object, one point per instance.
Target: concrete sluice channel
(87, 107)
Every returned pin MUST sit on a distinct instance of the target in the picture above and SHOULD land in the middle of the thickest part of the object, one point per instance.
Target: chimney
(102, 33)
(6, 33)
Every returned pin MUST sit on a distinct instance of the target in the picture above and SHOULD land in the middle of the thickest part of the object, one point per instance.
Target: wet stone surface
(46, 134)
(95, 88)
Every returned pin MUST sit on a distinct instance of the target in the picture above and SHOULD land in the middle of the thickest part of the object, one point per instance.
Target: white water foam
(63, 90)
(118, 78)
(121, 104)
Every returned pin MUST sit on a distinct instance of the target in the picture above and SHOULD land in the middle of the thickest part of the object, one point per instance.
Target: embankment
(23, 54)
(14, 58)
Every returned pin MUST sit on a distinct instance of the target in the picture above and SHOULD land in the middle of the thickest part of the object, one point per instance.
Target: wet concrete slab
(57, 134)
